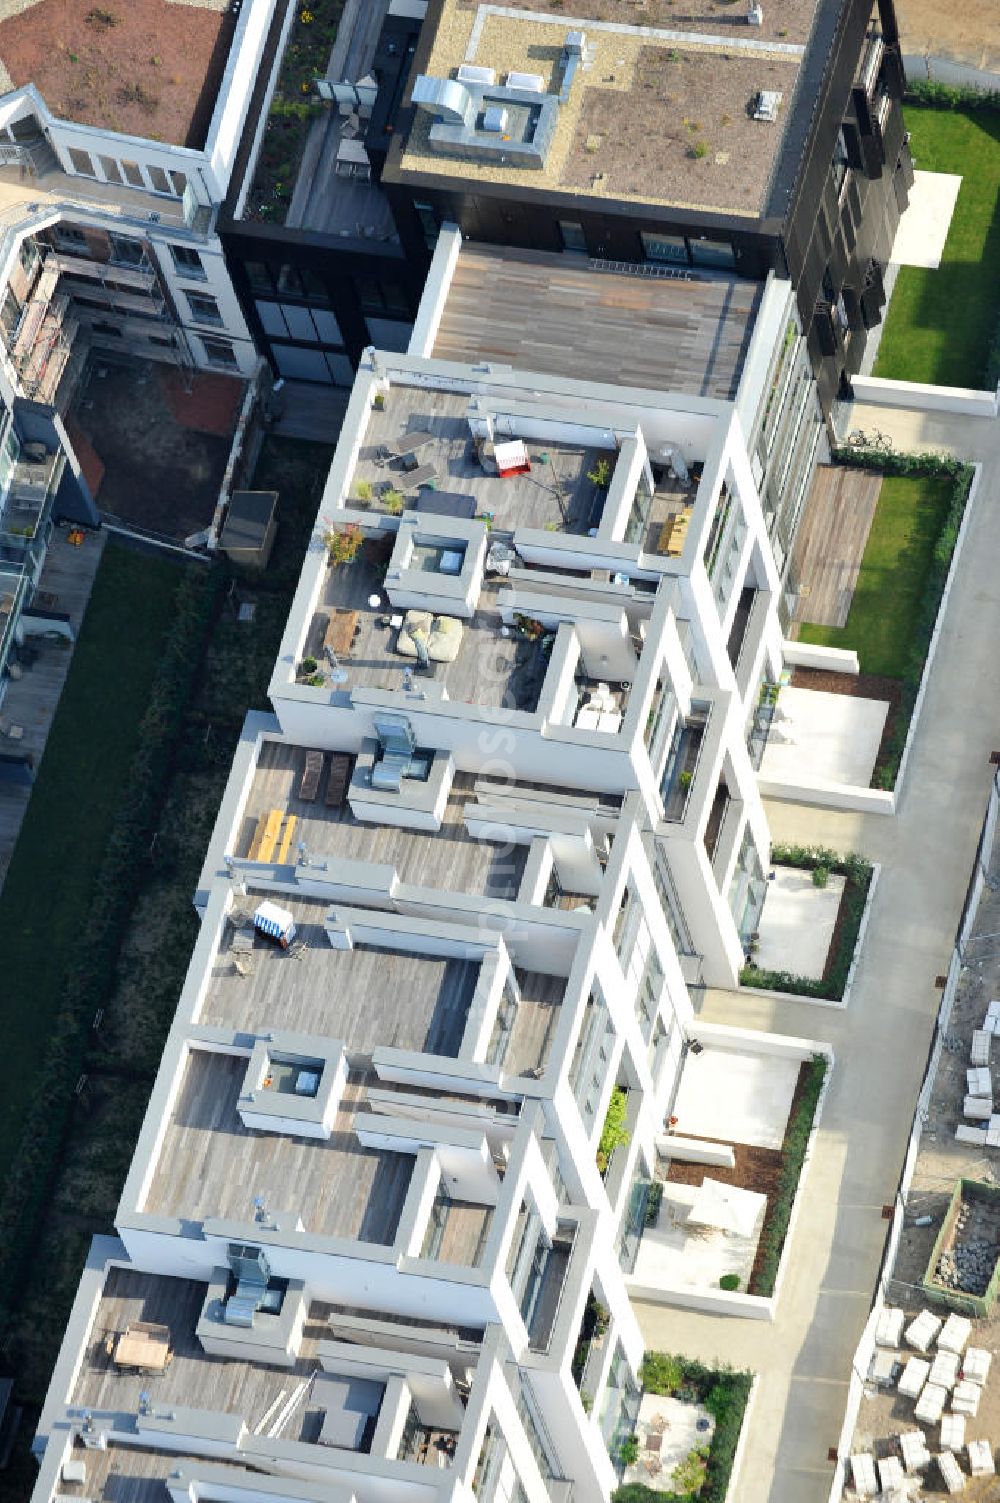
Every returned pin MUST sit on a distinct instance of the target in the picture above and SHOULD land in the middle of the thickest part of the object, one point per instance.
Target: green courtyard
(943, 324)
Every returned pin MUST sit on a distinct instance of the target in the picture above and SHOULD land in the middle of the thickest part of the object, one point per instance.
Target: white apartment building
(503, 816)
(109, 235)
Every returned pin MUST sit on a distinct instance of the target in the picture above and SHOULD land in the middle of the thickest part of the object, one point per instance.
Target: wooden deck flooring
(31, 700)
(193, 1379)
(364, 996)
(210, 1165)
(555, 494)
(556, 315)
(451, 859)
(491, 668)
(831, 543)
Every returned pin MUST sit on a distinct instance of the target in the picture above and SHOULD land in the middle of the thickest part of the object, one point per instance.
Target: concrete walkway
(881, 1041)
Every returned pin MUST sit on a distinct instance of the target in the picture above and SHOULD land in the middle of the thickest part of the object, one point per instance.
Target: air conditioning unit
(495, 119)
(766, 105)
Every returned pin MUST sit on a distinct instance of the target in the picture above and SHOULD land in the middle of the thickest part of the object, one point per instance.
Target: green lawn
(881, 625)
(941, 323)
(47, 894)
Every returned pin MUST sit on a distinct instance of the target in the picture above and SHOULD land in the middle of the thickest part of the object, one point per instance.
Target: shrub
(393, 501)
(689, 1474)
(601, 473)
(939, 96)
(343, 544)
(661, 1373)
(730, 1282)
(793, 1153)
(628, 1450)
(614, 1133)
(698, 150)
(363, 491)
(308, 665)
(857, 874)
(653, 1201)
(821, 876)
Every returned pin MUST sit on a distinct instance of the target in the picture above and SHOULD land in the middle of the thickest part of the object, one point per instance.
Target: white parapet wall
(830, 659)
(962, 400)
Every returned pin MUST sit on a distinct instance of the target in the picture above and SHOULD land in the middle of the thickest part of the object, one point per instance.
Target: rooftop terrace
(210, 1165)
(148, 68)
(557, 315)
(660, 112)
(450, 859)
(192, 1379)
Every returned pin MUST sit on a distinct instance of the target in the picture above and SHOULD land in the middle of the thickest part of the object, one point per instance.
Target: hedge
(102, 929)
(857, 874)
(939, 96)
(724, 1392)
(793, 1152)
(936, 465)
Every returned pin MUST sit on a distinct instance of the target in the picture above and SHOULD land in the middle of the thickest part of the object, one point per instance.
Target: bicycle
(880, 442)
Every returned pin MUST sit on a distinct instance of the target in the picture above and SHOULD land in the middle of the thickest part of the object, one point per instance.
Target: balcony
(23, 512)
(682, 765)
(543, 1292)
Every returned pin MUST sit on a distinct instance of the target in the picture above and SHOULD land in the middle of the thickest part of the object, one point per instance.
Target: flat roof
(450, 858)
(147, 68)
(367, 996)
(661, 111)
(211, 1166)
(557, 315)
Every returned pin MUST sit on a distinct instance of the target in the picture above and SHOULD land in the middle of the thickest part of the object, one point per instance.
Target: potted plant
(628, 1450)
(601, 473)
(378, 401)
(363, 492)
(685, 778)
(343, 544)
(308, 665)
(393, 501)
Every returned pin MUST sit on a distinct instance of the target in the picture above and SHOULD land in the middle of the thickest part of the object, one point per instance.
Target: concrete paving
(923, 228)
(881, 1040)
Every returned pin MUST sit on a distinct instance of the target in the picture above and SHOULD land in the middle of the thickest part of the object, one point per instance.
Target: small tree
(343, 544)
(689, 1474)
(393, 501)
(601, 473)
(628, 1450)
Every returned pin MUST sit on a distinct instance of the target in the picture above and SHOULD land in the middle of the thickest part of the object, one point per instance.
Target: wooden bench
(337, 782)
(266, 835)
(286, 840)
(311, 774)
(339, 635)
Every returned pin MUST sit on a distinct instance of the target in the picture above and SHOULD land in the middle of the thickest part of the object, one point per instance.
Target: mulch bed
(757, 1169)
(860, 686)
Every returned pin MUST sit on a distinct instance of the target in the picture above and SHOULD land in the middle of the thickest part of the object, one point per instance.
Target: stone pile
(967, 1266)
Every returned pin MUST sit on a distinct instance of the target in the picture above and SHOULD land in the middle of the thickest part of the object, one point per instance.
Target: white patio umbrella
(727, 1207)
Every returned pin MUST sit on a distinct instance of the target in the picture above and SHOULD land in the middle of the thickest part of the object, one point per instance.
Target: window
(840, 161)
(126, 251)
(427, 215)
(573, 238)
(715, 253)
(106, 330)
(259, 276)
(204, 309)
(178, 182)
(69, 237)
(110, 169)
(166, 341)
(188, 262)
(219, 352)
(159, 180)
(671, 248)
(382, 296)
(133, 174)
(82, 162)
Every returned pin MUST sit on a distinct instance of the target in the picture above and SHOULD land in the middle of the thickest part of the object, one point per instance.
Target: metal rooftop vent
(755, 15)
(766, 104)
(495, 119)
